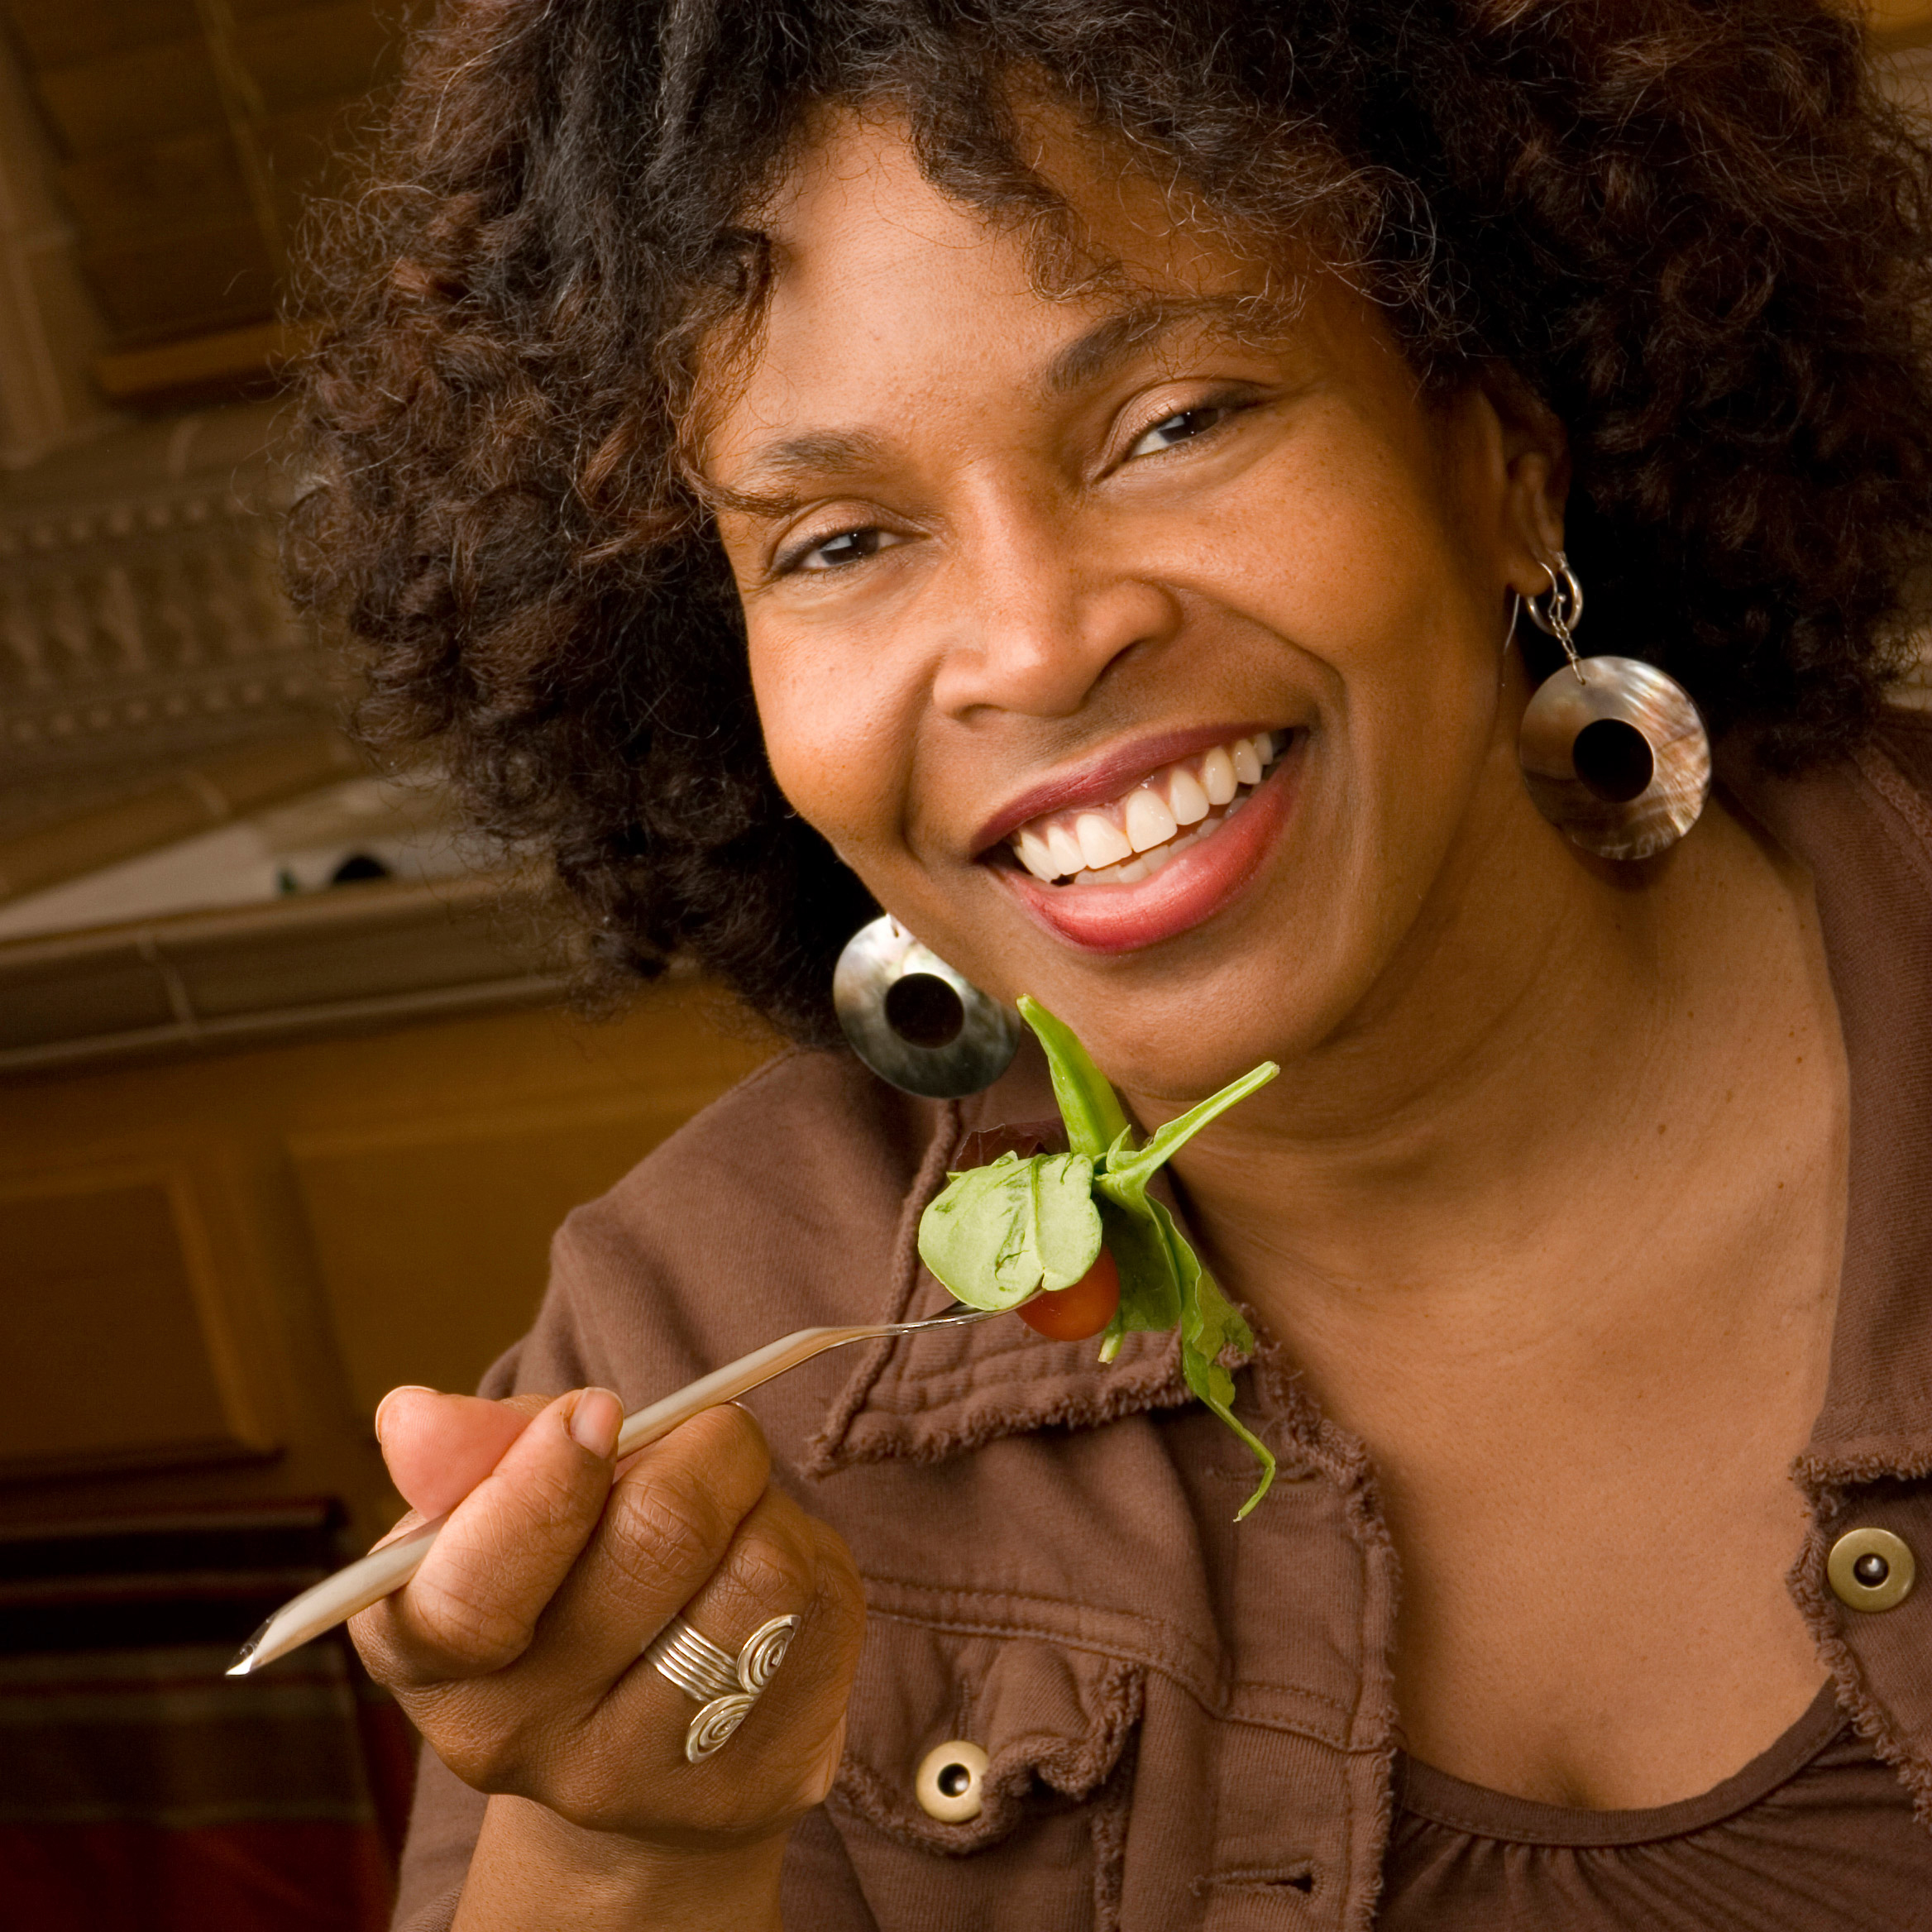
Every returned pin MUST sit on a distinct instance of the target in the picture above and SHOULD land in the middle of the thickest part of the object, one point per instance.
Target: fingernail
(407, 1388)
(595, 1420)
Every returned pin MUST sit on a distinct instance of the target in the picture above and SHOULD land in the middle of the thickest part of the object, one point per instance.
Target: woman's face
(1204, 622)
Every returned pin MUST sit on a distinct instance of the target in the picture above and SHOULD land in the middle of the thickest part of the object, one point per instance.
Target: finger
(769, 1569)
(779, 1760)
(764, 1571)
(473, 1606)
(801, 1719)
(438, 1447)
(670, 1519)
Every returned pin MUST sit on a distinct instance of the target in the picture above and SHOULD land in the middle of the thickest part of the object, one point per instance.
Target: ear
(1533, 449)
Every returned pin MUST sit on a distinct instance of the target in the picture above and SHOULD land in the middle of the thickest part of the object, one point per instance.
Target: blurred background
(289, 1103)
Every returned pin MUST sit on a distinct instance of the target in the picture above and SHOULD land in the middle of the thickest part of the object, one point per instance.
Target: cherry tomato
(1071, 1314)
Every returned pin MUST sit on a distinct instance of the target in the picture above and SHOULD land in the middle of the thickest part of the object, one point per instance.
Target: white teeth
(1150, 823)
(1102, 843)
(1135, 836)
(1037, 857)
(1185, 799)
(1218, 778)
(1065, 848)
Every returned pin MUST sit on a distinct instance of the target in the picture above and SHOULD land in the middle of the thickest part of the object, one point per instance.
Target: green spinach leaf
(1092, 1110)
(1001, 1233)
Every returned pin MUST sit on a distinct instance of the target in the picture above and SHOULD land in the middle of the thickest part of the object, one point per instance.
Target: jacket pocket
(1044, 1850)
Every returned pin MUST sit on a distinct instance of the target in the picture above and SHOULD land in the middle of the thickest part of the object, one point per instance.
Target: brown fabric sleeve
(444, 1823)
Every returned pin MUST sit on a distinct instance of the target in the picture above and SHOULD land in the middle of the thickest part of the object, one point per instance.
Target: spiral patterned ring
(726, 1687)
(764, 1650)
(713, 1726)
(692, 1662)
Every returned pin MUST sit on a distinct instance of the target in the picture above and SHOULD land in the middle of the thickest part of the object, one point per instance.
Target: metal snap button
(948, 1783)
(1871, 1570)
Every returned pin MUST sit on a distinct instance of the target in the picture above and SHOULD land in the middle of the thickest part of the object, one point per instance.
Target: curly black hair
(1692, 228)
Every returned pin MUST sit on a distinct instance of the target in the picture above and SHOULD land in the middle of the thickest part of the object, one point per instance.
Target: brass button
(948, 1784)
(1871, 1570)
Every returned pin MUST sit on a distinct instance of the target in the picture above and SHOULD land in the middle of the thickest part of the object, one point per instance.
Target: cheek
(1422, 686)
(1376, 581)
(1367, 574)
(1422, 712)
(837, 739)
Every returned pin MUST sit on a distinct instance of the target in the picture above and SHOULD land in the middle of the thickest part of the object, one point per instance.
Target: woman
(806, 456)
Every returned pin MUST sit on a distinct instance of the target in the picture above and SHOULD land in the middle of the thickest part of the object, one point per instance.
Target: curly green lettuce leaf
(1001, 1233)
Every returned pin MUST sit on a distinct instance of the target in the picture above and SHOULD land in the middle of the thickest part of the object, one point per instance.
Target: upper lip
(1106, 776)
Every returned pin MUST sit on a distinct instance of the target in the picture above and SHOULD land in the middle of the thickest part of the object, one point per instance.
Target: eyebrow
(1114, 339)
(776, 467)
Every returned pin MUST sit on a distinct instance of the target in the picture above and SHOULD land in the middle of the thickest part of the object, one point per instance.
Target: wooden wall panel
(359, 1211)
(189, 140)
(107, 1291)
(63, 33)
(434, 1239)
(1896, 22)
(210, 278)
(138, 94)
(142, 189)
(318, 54)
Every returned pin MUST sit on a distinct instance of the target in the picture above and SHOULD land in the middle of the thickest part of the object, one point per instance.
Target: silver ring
(725, 1685)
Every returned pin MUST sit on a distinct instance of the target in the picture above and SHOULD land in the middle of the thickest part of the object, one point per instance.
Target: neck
(1545, 1077)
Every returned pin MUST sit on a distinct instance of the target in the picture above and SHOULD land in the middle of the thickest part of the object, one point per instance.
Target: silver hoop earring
(914, 1020)
(1614, 752)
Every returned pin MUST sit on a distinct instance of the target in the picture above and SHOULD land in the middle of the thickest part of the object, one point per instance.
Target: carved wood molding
(141, 618)
(358, 957)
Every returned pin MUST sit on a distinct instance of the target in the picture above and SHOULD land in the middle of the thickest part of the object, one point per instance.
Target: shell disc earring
(914, 1020)
(1614, 752)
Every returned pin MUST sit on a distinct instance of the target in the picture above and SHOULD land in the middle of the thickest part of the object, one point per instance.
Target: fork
(389, 1566)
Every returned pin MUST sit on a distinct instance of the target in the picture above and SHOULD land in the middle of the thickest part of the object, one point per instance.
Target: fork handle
(646, 1425)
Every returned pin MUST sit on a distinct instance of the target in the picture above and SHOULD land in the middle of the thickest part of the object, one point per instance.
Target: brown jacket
(1190, 1724)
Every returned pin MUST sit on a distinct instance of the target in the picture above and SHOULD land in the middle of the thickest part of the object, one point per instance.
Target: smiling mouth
(1134, 836)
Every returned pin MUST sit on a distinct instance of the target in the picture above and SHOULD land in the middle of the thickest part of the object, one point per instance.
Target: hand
(515, 1648)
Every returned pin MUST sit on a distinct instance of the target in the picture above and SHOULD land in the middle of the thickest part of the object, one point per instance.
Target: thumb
(438, 1447)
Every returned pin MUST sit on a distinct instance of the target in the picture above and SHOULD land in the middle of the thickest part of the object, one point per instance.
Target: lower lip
(1185, 893)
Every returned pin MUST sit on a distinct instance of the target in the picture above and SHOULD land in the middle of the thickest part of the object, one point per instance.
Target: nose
(1039, 608)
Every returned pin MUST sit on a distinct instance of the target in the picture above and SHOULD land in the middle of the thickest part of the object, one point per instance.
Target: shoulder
(1903, 738)
(1891, 776)
(778, 1207)
(1860, 821)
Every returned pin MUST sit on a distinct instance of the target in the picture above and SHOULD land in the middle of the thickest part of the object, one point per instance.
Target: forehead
(882, 283)
(1077, 206)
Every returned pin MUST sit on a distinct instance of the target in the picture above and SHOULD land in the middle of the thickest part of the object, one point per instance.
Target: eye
(1183, 426)
(837, 552)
